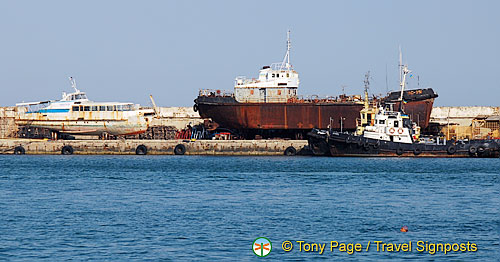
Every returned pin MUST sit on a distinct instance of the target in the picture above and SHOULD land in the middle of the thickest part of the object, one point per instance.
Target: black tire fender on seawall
(141, 150)
(19, 150)
(195, 108)
(67, 150)
(290, 151)
(180, 149)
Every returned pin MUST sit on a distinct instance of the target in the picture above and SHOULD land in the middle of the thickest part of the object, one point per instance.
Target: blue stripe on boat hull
(51, 111)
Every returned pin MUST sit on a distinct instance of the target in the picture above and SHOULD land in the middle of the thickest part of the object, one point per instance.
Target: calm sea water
(183, 208)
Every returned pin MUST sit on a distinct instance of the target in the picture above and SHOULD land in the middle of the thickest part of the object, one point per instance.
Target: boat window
(86, 108)
(287, 74)
(110, 108)
(94, 108)
(102, 108)
(396, 123)
(277, 75)
(274, 75)
(407, 122)
(127, 107)
(119, 108)
(381, 122)
(79, 96)
(76, 108)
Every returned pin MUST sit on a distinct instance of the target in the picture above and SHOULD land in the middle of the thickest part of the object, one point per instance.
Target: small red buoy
(404, 229)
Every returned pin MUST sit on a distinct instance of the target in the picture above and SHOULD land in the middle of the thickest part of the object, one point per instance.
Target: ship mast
(405, 71)
(367, 85)
(286, 60)
(400, 64)
(73, 84)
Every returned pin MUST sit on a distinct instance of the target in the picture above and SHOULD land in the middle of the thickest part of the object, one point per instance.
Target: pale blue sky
(126, 50)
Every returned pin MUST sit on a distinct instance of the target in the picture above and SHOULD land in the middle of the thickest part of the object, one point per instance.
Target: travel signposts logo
(262, 246)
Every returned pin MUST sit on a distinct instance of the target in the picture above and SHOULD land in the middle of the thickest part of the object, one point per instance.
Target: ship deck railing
(324, 99)
(278, 66)
(298, 100)
(295, 99)
(215, 93)
(243, 80)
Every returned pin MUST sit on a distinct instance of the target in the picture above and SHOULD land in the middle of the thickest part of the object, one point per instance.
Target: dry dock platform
(152, 147)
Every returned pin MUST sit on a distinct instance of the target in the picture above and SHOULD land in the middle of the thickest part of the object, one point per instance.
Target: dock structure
(450, 122)
(466, 122)
(8, 127)
(152, 147)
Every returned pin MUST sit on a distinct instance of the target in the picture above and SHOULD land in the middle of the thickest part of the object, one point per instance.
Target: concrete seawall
(154, 147)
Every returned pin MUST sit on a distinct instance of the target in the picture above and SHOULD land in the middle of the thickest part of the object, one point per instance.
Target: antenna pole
(402, 84)
(400, 64)
(367, 85)
(288, 46)
(73, 83)
(286, 59)
(343, 89)
(386, 81)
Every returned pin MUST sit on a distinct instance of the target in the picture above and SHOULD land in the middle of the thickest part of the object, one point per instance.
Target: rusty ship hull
(298, 117)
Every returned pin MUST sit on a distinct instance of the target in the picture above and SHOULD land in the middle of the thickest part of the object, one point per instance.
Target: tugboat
(385, 132)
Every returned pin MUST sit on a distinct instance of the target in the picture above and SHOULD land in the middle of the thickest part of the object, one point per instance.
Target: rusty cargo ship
(269, 106)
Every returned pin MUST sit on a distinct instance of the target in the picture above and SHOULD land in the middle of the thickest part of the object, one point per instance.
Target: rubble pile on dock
(466, 122)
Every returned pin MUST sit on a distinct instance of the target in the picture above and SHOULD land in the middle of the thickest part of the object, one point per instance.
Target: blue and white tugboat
(386, 132)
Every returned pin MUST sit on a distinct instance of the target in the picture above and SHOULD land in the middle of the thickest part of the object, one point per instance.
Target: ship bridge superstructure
(277, 83)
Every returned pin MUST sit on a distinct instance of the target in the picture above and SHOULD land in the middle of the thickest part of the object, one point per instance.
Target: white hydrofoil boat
(76, 114)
